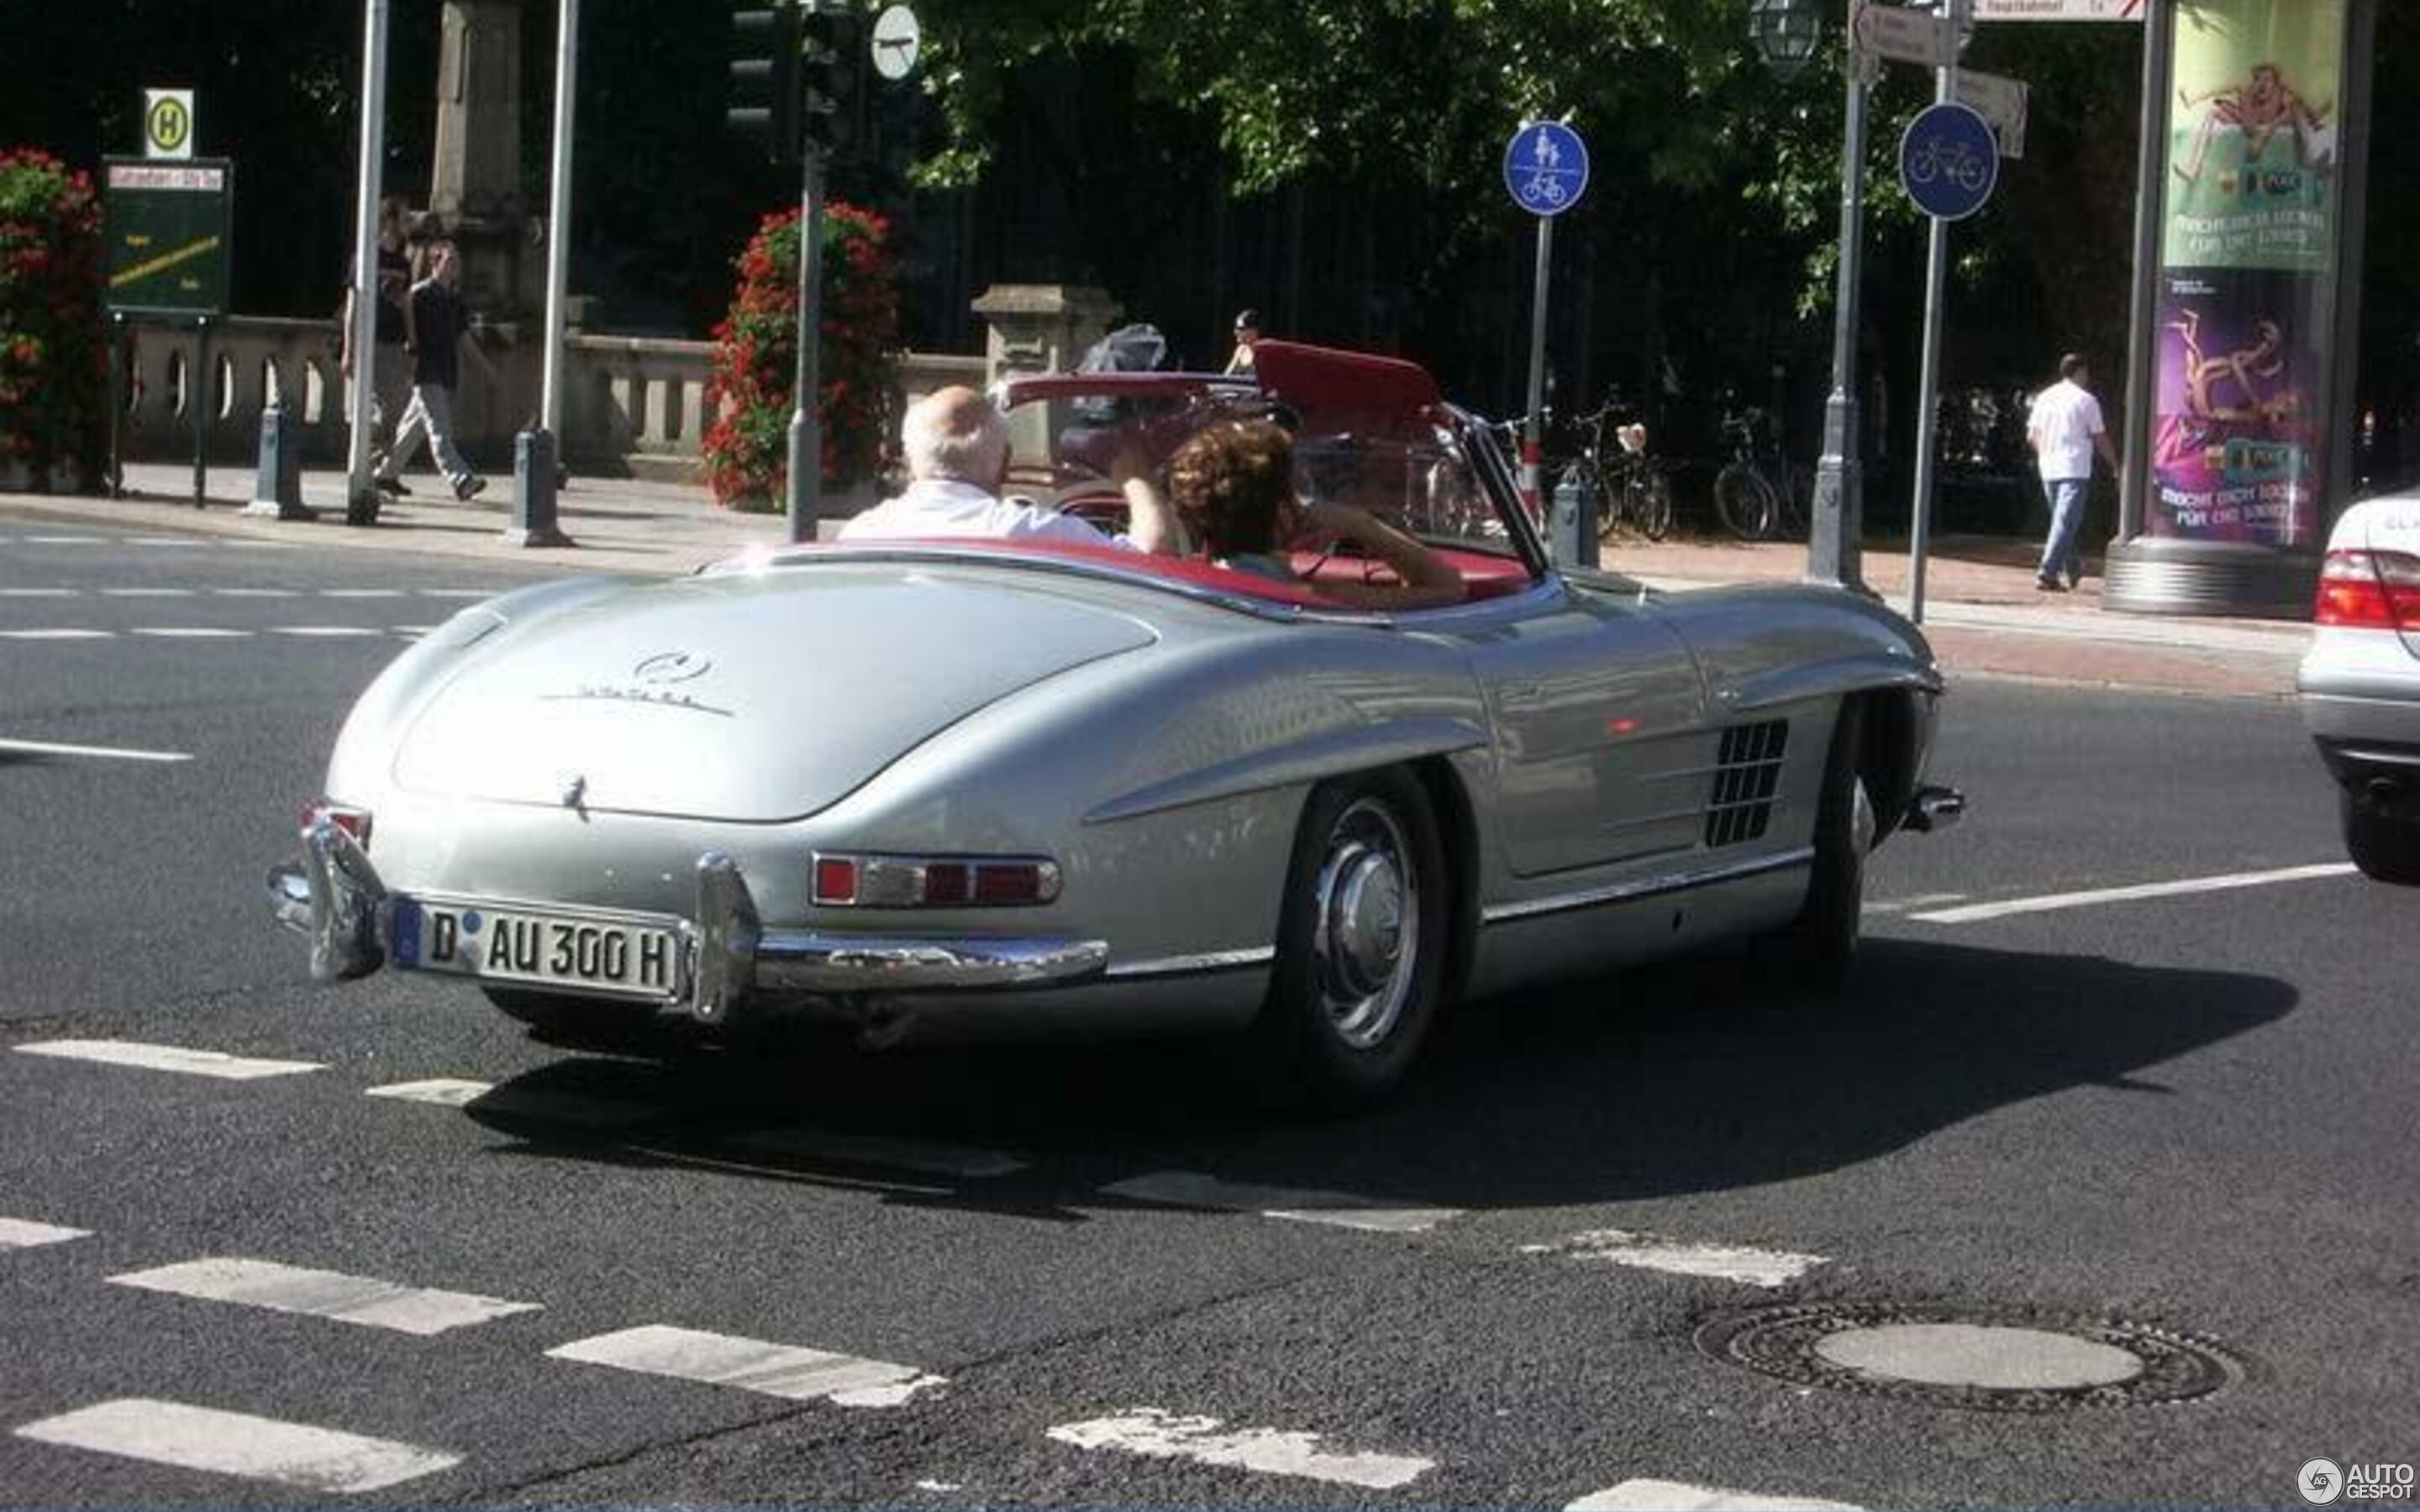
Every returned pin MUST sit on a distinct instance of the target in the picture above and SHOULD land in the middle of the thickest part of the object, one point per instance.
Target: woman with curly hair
(1230, 488)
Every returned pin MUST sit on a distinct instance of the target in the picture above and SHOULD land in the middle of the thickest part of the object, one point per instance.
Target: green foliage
(753, 378)
(53, 360)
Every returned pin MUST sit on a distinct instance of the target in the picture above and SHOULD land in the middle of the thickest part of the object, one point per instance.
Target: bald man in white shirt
(2063, 422)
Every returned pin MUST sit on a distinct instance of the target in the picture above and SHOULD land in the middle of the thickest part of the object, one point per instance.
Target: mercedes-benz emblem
(669, 667)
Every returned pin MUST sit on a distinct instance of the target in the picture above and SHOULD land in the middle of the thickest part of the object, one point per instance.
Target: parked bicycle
(1627, 481)
(1760, 495)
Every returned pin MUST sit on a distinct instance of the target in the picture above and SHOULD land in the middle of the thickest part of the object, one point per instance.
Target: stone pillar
(1041, 327)
(476, 188)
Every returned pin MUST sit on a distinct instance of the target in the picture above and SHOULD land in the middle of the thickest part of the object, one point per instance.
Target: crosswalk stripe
(1680, 1496)
(1654, 1252)
(773, 1369)
(555, 1107)
(23, 1233)
(166, 1058)
(1340, 1210)
(239, 1444)
(1151, 1430)
(882, 1150)
(346, 1299)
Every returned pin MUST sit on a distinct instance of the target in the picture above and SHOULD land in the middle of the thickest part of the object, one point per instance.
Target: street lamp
(1786, 32)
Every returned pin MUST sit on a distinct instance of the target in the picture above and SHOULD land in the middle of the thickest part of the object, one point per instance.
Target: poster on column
(2248, 260)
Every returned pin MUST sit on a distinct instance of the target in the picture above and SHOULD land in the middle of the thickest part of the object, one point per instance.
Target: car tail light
(353, 821)
(2369, 590)
(934, 881)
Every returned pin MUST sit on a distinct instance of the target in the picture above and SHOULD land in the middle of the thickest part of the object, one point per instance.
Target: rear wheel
(1361, 941)
(1651, 505)
(2386, 847)
(1746, 499)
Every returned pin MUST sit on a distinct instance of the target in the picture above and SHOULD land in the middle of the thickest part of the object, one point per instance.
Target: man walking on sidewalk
(437, 336)
(2063, 422)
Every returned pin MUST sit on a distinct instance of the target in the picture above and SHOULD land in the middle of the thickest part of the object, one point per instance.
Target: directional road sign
(1546, 168)
(1898, 32)
(2058, 9)
(1948, 161)
(1999, 100)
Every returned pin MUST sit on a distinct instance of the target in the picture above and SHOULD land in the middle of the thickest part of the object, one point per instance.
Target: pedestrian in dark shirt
(390, 367)
(437, 335)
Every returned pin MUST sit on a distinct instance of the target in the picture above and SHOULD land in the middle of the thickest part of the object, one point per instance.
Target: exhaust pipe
(1933, 809)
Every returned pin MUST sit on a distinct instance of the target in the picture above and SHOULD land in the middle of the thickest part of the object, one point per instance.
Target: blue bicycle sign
(1546, 168)
(1948, 160)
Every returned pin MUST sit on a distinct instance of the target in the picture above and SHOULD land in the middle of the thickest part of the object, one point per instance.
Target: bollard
(277, 491)
(533, 492)
(1571, 528)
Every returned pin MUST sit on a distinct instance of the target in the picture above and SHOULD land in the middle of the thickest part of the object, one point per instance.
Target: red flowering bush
(54, 359)
(755, 358)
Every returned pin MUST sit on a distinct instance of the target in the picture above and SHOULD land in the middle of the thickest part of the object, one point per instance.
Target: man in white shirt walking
(2063, 422)
(956, 447)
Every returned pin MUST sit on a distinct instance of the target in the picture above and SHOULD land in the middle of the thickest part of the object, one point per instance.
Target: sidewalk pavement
(1982, 611)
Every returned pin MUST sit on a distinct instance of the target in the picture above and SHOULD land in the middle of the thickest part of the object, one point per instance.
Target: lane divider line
(781, 1370)
(168, 1057)
(344, 1299)
(239, 1444)
(1680, 1496)
(1656, 1252)
(1161, 1434)
(1338, 1210)
(1973, 913)
(23, 1233)
(120, 753)
(518, 1101)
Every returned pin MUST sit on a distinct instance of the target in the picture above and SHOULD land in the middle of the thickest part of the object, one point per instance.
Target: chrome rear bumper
(334, 896)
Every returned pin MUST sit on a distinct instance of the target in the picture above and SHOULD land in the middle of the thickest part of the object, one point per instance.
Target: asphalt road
(2189, 1112)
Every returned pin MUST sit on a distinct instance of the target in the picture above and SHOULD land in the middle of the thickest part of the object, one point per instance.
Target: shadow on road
(1692, 1076)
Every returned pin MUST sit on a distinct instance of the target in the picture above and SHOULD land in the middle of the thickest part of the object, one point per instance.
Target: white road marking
(256, 592)
(1151, 1430)
(191, 632)
(166, 1058)
(147, 593)
(555, 1107)
(119, 753)
(346, 1299)
(66, 540)
(1923, 900)
(456, 593)
(1974, 912)
(1341, 1210)
(39, 592)
(21, 1233)
(1680, 1496)
(163, 540)
(325, 629)
(751, 1365)
(238, 1443)
(879, 1150)
(362, 592)
(1655, 1252)
(58, 635)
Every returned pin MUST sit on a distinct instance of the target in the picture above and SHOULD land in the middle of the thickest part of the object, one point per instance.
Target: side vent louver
(1747, 773)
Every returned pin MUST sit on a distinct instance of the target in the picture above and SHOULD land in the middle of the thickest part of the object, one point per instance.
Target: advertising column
(2231, 516)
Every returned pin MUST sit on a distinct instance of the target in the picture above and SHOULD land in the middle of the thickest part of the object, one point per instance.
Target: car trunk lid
(742, 698)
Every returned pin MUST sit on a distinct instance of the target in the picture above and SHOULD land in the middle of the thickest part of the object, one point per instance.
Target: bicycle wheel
(1652, 506)
(1746, 499)
(1606, 502)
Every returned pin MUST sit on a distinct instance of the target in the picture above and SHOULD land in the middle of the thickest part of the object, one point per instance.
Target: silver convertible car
(933, 786)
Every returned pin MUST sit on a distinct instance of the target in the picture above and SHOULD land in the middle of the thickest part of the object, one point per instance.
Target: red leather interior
(1484, 577)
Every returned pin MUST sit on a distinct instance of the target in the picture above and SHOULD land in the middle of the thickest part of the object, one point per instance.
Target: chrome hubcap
(1367, 938)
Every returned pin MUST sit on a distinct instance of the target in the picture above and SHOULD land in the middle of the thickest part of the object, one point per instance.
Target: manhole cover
(1996, 1359)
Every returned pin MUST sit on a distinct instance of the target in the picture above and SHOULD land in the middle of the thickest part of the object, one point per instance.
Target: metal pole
(360, 499)
(1834, 543)
(2142, 333)
(558, 231)
(806, 420)
(1532, 434)
(198, 399)
(1928, 389)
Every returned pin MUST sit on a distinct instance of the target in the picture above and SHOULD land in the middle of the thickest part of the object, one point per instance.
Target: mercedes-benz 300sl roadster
(953, 784)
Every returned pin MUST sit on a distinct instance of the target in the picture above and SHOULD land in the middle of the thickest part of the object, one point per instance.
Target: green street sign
(169, 231)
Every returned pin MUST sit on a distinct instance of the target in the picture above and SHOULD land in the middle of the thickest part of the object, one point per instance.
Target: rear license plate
(624, 956)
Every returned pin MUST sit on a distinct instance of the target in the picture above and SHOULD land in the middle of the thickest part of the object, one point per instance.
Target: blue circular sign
(1546, 168)
(1948, 160)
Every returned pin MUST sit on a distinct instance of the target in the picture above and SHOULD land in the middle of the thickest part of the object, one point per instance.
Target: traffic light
(767, 50)
(835, 49)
